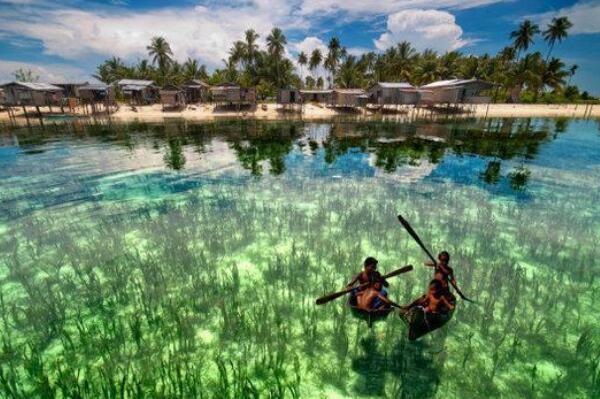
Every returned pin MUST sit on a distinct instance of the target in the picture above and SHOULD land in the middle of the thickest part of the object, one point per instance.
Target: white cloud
(433, 29)
(309, 44)
(48, 72)
(198, 32)
(357, 51)
(362, 7)
(585, 17)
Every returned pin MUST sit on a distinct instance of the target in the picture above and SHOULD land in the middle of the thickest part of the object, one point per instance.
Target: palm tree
(556, 32)
(143, 70)
(276, 42)
(251, 46)
(237, 53)
(320, 82)
(529, 71)
(349, 74)
(524, 36)
(401, 61)
(315, 59)
(161, 52)
(554, 74)
(333, 56)
(302, 61)
(367, 63)
(428, 71)
(192, 70)
(572, 71)
(111, 70)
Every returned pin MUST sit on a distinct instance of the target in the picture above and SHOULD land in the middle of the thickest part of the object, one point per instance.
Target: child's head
(435, 288)
(377, 285)
(444, 257)
(371, 264)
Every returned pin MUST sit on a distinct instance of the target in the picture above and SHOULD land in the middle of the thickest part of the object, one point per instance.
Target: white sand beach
(271, 111)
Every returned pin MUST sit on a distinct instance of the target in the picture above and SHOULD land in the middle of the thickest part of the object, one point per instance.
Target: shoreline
(272, 111)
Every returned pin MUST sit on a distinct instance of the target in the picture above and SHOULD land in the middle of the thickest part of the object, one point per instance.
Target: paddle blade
(416, 237)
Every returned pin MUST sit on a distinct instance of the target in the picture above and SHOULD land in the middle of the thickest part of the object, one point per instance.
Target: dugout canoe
(421, 322)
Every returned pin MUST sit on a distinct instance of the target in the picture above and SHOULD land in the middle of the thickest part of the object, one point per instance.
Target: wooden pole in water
(26, 116)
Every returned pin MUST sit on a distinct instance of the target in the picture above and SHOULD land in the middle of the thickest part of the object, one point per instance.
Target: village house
(391, 93)
(454, 91)
(348, 97)
(196, 91)
(231, 93)
(289, 96)
(172, 97)
(316, 96)
(32, 94)
(138, 92)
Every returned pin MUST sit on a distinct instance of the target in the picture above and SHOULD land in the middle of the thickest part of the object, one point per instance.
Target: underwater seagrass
(183, 260)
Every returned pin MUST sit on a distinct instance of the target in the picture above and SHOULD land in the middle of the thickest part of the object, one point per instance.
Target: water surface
(183, 260)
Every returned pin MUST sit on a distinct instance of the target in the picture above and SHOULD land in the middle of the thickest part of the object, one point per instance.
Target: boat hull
(421, 323)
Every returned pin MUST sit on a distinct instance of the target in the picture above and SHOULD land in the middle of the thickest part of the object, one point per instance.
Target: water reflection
(482, 152)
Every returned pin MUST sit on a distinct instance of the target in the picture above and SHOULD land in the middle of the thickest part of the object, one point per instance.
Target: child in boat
(435, 301)
(374, 298)
(443, 271)
(369, 274)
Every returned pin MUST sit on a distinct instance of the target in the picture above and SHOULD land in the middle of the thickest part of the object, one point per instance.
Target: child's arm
(389, 302)
(354, 280)
(447, 303)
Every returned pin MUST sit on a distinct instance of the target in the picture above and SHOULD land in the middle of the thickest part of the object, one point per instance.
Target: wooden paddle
(335, 295)
(414, 235)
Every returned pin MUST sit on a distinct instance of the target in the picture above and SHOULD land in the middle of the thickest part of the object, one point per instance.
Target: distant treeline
(520, 75)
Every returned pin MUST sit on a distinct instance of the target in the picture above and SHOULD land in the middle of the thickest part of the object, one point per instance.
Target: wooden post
(26, 116)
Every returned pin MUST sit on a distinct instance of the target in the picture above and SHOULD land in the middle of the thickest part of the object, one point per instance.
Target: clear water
(183, 260)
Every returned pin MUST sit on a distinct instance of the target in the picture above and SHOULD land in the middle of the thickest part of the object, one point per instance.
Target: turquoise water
(183, 260)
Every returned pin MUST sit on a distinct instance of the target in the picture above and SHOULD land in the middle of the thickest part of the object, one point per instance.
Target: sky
(65, 40)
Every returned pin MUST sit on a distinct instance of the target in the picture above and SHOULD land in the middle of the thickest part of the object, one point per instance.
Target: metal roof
(452, 83)
(70, 83)
(196, 82)
(36, 86)
(395, 85)
(349, 91)
(135, 82)
(131, 87)
(95, 87)
(315, 91)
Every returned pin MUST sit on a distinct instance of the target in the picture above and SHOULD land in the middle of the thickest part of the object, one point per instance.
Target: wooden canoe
(421, 323)
(370, 316)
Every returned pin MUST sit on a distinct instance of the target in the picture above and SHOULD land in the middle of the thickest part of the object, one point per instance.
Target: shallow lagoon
(183, 260)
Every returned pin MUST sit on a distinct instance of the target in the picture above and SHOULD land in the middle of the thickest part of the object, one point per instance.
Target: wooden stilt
(26, 116)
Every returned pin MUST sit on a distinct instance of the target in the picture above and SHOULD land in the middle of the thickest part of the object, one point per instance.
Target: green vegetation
(168, 260)
(518, 74)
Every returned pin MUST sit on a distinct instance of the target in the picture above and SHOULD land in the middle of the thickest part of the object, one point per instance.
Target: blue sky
(66, 39)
